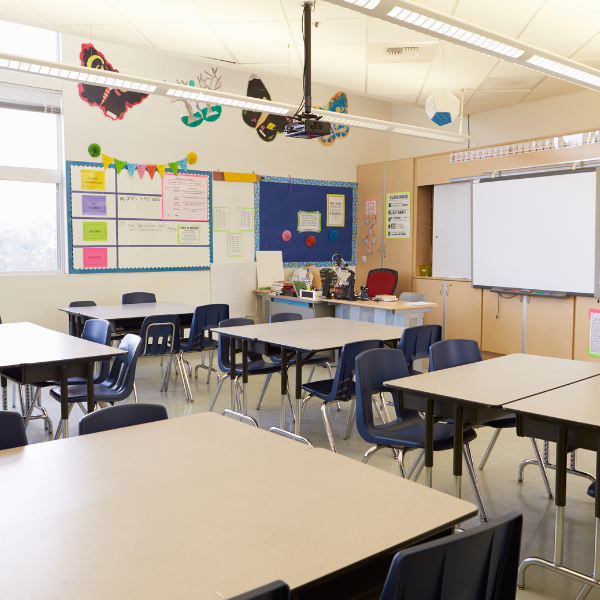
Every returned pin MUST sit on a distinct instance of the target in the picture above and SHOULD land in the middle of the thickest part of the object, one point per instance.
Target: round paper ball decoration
(333, 235)
(310, 240)
(286, 236)
(442, 107)
(94, 150)
(192, 82)
(192, 157)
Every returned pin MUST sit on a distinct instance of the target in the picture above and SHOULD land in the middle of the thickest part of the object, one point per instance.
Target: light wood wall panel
(463, 311)
(582, 328)
(432, 288)
(502, 324)
(550, 327)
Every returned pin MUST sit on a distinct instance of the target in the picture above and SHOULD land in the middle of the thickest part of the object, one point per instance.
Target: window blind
(23, 97)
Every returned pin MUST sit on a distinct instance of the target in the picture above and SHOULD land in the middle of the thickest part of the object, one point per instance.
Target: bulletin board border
(72, 270)
(292, 181)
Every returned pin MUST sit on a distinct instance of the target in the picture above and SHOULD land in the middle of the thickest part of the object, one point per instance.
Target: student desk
(476, 393)
(118, 313)
(30, 354)
(173, 509)
(289, 337)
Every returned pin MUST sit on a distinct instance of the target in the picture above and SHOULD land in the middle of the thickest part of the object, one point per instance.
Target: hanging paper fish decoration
(339, 103)
(267, 126)
(113, 102)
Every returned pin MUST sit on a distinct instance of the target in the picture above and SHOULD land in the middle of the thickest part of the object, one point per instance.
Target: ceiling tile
(255, 33)
(575, 6)
(460, 69)
(214, 52)
(394, 85)
(339, 53)
(475, 107)
(157, 11)
(179, 35)
(562, 47)
(16, 39)
(347, 31)
(510, 83)
(453, 85)
(398, 70)
(401, 96)
(342, 85)
(508, 69)
(503, 23)
(590, 50)
(76, 12)
(445, 6)
(452, 52)
(263, 72)
(558, 85)
(591, 62)
(568, 26)
(229, 12)
(341, 71)
(127, 33)
(323, 10)
(17, 12)
(539, 95)
(504, 96)
(282, 55)
(383, 32)
(477, 7)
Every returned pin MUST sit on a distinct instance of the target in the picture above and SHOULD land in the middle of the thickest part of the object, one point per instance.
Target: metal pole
(307, 65)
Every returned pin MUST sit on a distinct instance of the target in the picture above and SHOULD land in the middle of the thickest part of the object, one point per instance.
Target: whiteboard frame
(72, 270)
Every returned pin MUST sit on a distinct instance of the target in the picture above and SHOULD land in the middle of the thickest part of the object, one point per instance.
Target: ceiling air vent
(419, 52)
(402, 50)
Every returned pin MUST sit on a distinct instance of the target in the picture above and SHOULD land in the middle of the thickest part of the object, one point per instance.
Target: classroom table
(312, 336)
(174, 509)
(569, 416)
(30, 354)
(476, 393)
(116, 313)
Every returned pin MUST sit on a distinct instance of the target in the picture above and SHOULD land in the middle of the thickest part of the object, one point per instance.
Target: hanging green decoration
(94, 150)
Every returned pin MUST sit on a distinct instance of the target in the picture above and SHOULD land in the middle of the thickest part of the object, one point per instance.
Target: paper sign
(397, 215)
(371, 207)
(309, 221)
(245, 219)
(188, 234)
(594, 346)
(93, 205)
(93, 180)
(335, 210)
(369, 251)
(185, 198)
(95, 258)
(95, 231)
(235, 244)
(220, 218)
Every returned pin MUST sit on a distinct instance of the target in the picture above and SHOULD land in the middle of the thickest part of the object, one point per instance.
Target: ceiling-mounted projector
(308, 129)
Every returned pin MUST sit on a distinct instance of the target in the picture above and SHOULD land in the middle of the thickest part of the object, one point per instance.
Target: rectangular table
(476, 393)
(312, 336)
(173, 509)
(30, 354)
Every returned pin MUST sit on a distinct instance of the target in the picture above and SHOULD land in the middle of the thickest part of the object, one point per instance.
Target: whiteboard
(452, 230)
(536, 233)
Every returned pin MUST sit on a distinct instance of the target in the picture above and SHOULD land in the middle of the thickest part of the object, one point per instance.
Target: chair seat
(78, 393)
(258, 367)
(205, 343)
(322, 389)
(502, 422)
(592, 490)
(317, 359)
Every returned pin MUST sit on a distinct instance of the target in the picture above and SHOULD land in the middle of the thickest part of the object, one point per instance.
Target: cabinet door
(550, 327)
(433, 289)
(463, 311)
(502, 323)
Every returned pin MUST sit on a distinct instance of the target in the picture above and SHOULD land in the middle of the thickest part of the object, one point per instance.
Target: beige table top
(381, 305)
(112, 312)
(194, 508)
(500, 380)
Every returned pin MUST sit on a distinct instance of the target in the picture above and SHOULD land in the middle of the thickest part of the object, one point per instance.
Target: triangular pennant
(106, 160)
(173, 167)
(151, 169)
(119, 164)
(131, 168)
(140, 170)
(183, 165)
(161, 169)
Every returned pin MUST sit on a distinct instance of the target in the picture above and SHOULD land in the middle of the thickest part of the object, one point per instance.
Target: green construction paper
(173, 166)
(95, 231)
(119, 164)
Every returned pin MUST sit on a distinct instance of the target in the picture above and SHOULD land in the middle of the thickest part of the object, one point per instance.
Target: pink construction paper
(95, 258)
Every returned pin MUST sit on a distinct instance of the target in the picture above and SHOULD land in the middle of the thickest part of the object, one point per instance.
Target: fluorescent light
(24, 66)
(135, 86)
(118, 83)
(109, 82)
(83, 76)
(101, 79)
(64, 73)
(126, 85)
(35, 69)
(73, 75)
(14, 64)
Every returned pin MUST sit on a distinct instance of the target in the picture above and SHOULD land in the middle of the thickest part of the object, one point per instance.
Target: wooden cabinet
(433, 289)
(463, 311)
(502, 323)
(549, 330)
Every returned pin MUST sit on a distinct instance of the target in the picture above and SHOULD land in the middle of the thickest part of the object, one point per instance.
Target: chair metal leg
(188, 365)
(164, 385)
(369, 453)
(221, 381)
(351, 419)
(304, 406)
(311, 374)
(542, 468)
(489, 449)
(211, 355)
(419, 468)
(378, 410)
(135, 394)
(263, 390)
(14, 394)
(184, 377)
(401, 462)
(468, 457)
(327, 426)
(384, 407)
(329, 370)
(62, 424)
(420, 458)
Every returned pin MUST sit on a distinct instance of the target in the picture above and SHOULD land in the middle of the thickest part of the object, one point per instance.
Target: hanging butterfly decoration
(267, 125)
(208, 80)
(339, 103)
(113, 102)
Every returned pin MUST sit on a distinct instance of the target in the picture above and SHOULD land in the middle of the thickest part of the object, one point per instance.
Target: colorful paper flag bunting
(131, 168)
(106, 160)
(140, 170)
(173, 166)
(161, 169)
(119, 164)
(151, 169)
(183, 165)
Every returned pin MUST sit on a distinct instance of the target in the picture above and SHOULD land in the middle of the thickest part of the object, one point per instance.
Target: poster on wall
(185, 198)
(335, 210)
(371, 207)
(397, 212)
(594, 345)
(309, 221)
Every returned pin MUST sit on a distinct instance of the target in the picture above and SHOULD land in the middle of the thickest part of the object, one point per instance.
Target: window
(30, 160)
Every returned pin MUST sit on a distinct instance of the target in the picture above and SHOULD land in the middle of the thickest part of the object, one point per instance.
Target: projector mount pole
(307, 57)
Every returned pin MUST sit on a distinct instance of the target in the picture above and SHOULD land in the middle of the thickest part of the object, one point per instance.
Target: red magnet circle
(286, 236)
(310, 240)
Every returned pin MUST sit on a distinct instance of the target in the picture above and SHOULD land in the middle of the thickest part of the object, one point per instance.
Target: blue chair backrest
(121, 378)
(453, 353)
(124, 415)
(281, 317)
(223, 354)
(416, 341)
(160, 335)
(272, 591)
(98, 330)
(72, 318)
(479, 564)
(138, 298)
(205, 317)
(12, 431)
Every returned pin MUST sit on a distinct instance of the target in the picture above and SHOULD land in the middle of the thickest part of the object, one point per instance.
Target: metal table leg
(458, 449)
(284, 392)
(4, 384)
(429, 443)
(244, 377)
(299, 363)
(232, 371)
(91, 404)
(64, 401)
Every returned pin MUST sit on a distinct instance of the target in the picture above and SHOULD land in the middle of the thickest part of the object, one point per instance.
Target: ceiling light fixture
(445, 27)
(155, 87)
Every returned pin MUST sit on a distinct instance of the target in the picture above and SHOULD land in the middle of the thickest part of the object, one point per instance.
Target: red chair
(382, 282)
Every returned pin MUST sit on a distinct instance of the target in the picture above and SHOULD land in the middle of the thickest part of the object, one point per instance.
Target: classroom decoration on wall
(113, 102)
(94, 150)
(397, 215)
(121, 223)
(279, 207)
(267, 126)
(339, 103)
(594, 342)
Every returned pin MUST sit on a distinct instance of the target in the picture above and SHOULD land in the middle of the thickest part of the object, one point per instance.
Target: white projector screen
(536, 233)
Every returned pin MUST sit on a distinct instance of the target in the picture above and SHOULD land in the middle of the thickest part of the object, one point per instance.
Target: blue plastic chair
(75, 320)
(12, 430)
(272, 591)
(205, 317)
(416, 341)
(479, 564)
(138, 298)
(125, 415)
(256, 363)
(117, 387)
(341, 388)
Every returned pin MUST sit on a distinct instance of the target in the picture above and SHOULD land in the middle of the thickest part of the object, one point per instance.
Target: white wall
(151, 132)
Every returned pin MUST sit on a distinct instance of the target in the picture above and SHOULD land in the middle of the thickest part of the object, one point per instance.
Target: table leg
(244, 376)
(64, 401)
(458, 449)
(283, 385)
(299, 364)
(91, 404)
(429, 443)
(232, 373)
(4, 382)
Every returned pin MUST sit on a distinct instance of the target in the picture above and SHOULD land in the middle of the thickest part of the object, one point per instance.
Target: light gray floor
(500, 490)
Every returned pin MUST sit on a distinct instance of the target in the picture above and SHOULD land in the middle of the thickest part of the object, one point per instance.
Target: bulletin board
(283, 204)
(124, 223)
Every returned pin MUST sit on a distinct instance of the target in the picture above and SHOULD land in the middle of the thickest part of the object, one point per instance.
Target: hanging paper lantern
(192, 158)
(286, 236)
(94, 150)
(310, 241)
(442, 107)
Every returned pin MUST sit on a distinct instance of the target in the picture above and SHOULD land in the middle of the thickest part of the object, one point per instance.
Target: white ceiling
(266, 36)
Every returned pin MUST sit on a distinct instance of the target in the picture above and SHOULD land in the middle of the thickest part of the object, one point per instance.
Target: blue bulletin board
(277, 201)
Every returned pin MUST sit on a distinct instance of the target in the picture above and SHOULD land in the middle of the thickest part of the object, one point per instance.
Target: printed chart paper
(371, 207)
(95, 231)
(309, 221)
(95, 258)
(335, 210)
(397, 223)
(245, 219)
(93, 205)
(93, 180)
(188, 234)
(235, 244)
(185, 198)
(220, 218)
(594, 346)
